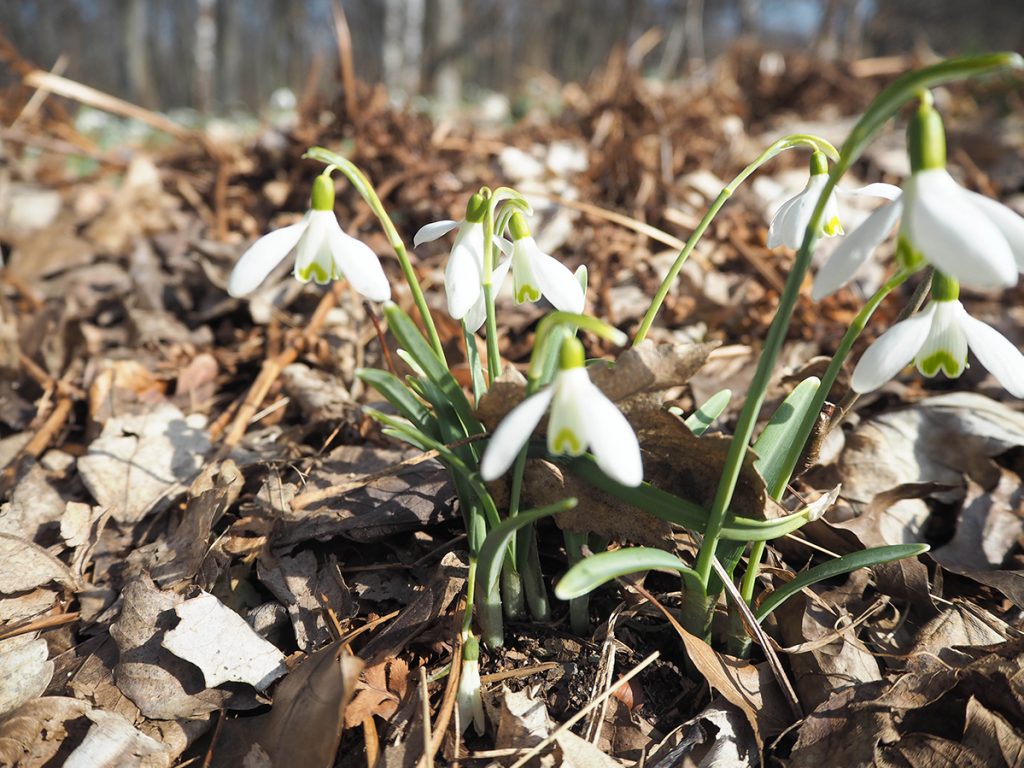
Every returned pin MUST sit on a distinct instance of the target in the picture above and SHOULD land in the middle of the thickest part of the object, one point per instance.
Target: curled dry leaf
(304, 725)
(33, 734)
(222, 645)
(719, 736)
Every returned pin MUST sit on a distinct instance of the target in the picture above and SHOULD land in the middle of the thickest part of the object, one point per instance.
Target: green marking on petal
(907, 257)
(567, 442)
(527, 293)
(314, 271)
(833, 227)
(943, 361)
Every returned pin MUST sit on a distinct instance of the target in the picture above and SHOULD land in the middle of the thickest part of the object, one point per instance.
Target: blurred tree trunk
(695, 33)
(229, 51)
(674, 42)
(750, 18)
(447, 34)
(140, 77)
(205, 53)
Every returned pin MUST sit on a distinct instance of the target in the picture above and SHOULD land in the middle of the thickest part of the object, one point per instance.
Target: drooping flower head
(323, 252)
(463, 275)
(938, 339)
(468, 696)
(582, 417)
(791, 220)
(536, 274)
(973, 239)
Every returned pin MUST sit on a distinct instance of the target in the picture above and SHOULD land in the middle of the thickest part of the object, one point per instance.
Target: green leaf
(672, 508)
(410, 338)
(837, 567)
(492, 553)
(591, 572)
(405, 431)
(710, 409)
(773, 445)
(403, 400)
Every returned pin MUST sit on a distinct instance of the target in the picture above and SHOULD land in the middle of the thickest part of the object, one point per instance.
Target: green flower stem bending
(787, 142)
(363, 186)
(753, 569)
(885, 106)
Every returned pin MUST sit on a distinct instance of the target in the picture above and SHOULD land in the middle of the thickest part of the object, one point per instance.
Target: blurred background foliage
(228, 56)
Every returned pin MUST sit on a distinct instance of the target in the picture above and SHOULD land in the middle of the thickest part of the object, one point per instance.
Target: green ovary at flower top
(966, 235)
(581, 417)
(323, 252)
(938, 339)
(536, 274)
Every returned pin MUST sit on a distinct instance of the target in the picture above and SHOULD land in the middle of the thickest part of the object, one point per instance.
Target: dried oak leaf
(27, 566)
(379, 691)
(25, 671)
(139, 461)
(222, 644)
(160, 684)
(33, 734)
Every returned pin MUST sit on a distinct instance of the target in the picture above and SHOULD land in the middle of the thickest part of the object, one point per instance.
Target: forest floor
(164, 573)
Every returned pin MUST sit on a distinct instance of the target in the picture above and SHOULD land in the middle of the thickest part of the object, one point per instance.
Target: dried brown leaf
(25, 671)
(27, 566)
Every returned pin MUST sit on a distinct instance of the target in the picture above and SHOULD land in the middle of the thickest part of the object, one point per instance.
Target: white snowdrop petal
(996, 353)
(1010, 224)
(360, 265)
(877, 189)
(261, 258)
(512, 433)
(892, 352)
(477, 314)
(567, 426)
(947, 230)
(311, 248)
(462, 280)
(945, 348)
(781, 229)
(557, 283)
(612, 440)
(430, 232)
(855, 249)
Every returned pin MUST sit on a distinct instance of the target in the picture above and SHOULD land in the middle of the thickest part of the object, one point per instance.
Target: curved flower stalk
(791, 220)
(966, 235)
(323, 252)
(581, 417)
(463, 275)
(536, 274)
(938, 339)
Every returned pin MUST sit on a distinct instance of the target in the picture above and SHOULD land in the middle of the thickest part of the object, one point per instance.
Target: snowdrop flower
(975, 240)
(536, 274)
(938, 339)
(477, 314)
(463, 276)
(467, 697)
(581, 417)
(791, 220)
(323, 252)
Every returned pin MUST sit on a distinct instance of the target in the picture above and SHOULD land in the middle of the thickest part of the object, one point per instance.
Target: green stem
(753, 568)
(885, 106)
(579, 607)
(363, 186)
(828, 379)
(493, 360)
(787, 142)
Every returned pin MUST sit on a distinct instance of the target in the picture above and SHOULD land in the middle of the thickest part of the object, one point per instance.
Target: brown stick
(271, 369)
(348, 70)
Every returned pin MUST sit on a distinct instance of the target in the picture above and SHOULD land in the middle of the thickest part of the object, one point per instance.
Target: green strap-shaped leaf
(669, 507)
(709, 410)
(403, 400)
(410, 338)
(837, 567)
(492, 554)
(773, 444)
(591, 572)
